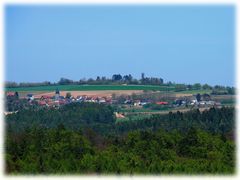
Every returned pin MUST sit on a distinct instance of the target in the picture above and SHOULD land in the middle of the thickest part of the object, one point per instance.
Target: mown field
(92, 88)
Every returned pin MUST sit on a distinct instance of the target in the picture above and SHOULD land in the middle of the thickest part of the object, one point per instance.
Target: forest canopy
(84, 138)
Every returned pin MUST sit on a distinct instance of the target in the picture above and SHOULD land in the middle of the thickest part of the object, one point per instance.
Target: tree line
(118, 79)
(101, 118)
(115, 79)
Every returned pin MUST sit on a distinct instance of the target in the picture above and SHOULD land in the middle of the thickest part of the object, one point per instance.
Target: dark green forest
(84, 138)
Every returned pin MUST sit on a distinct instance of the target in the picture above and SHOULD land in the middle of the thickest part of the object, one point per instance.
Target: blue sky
(183, 44)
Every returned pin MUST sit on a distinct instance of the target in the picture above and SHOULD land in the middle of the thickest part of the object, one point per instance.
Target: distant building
(102, 100)
(162, 103)
(180, 102)
(61, 97)
(57, 94)
(30, 97)
(210, 103)
(128, 102)
(42, 103)
(206, 97)
(45, 97)
(118, 115)
(143, 103)
(10, 94)
(193, 102)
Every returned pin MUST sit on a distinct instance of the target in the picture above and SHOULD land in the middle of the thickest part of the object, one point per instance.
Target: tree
(161, 80)
(206, 86)
(197, 86)
(16, 95)
(116, 77)
(68, 95)
(65, 81)
(230, 90)
(142, 76)
(98, 78)
(180, 87)
(198, 97)
(127, 78)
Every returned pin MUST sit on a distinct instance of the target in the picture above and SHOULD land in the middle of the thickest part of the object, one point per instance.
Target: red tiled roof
(162, 103)
(46, 97)
(42, 103)
(10, 93)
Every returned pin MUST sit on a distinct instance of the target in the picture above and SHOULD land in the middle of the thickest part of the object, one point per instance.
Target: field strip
(91, 93)
(166, 112)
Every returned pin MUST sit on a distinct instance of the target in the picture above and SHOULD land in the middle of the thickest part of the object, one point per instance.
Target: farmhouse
(162, 103)
(30, 97)
(206, 97)
(10, 94)
(42, 103)
(137, 103)
(118, 115)
(101, 100)
(45, 97)
(180, 102)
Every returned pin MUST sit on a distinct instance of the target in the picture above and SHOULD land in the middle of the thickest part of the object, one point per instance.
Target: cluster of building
(180, 102)
(58, 100)
(205, 100)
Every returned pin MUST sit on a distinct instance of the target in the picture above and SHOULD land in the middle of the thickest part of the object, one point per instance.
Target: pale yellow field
(91, 93)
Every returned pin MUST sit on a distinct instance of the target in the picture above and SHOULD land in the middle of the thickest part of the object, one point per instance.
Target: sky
(182, 44)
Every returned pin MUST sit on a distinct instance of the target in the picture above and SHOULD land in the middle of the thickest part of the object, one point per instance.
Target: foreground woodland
(84, 138)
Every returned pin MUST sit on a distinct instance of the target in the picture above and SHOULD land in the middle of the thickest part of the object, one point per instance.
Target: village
(122, 103)
(58, 100)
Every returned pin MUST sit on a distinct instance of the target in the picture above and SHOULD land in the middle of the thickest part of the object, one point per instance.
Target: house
(128, 102)
(89, 99)
(109, 100)
(94, 98)
(6, 113)
(61, 97)
(45, 97)
(206, 97)
(62, 102)
(217, 104)
(10, 94)
(210, 103)
(118, 115)
(42, 103)
(180, 102)
(202, 102)
(162, 103)
(79, 98)
(112, 101)
(101, 100)
(193, 102)
(137, 103)
(143, 103)
(30, 97)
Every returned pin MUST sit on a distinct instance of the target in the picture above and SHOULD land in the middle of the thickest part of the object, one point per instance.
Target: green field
(135, 117)
(91, 88)
(195, 92)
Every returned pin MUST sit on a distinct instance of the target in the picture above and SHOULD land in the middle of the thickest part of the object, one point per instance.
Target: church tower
(57, 94)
